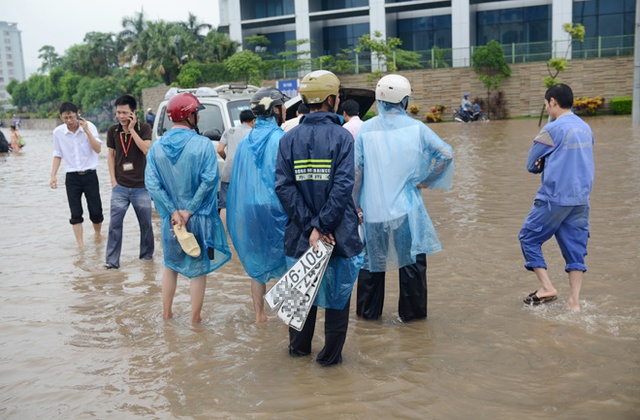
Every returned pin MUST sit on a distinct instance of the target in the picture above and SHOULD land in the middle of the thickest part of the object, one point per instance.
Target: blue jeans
(121, 197)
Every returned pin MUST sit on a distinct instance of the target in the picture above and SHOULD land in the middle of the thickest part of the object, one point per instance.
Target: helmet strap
(193, 126)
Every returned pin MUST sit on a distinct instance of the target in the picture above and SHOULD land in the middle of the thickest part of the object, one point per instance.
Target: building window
(259, 9)
(609, 28)
(424, 33)
(605, 18)
(337, 38)
(326, 5)
(519, 25)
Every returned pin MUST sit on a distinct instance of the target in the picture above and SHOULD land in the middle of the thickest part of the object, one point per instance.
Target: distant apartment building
(457, 26)
(11, 58)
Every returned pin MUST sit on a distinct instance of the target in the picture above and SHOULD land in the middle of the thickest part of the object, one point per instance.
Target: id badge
(127, 166)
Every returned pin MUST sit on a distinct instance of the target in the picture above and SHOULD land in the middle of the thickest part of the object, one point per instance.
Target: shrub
(498, 105)
(370, 114)
(588, 106)
(621, 106)
(435, 114)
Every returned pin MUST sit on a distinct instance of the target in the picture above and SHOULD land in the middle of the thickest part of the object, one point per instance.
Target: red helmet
(182, 105)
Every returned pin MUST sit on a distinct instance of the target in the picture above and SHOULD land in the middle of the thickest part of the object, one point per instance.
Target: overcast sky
(62, 23)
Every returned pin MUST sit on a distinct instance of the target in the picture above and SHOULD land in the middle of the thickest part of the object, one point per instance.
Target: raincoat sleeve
(333, 210)
(208, 180)
(154, 185)
(440, 154)
(358, 162)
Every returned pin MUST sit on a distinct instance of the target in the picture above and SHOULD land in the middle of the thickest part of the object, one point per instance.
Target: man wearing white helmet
(395, 156)
(314, 181)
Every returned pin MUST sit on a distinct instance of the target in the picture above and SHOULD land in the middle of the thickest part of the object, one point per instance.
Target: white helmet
(393, 89)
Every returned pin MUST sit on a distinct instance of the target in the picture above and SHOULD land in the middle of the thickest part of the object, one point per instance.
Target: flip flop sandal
(534, 300)
(187, 242)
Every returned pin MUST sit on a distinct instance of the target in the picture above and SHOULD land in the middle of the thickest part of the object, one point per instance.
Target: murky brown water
(79, 343)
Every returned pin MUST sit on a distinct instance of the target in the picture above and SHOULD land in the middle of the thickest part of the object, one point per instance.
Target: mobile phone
(80, 117)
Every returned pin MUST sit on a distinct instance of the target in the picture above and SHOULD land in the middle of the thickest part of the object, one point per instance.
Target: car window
(235, 107)
(211, 119)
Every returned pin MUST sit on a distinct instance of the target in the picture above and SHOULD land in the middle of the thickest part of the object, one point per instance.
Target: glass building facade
(528, 30)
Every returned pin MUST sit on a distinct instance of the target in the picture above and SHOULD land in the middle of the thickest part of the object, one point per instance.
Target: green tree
(50, 58)
(557, 65)
(194, 27)
(134, 51)
(218, 47)
(162, 59)
(247, 65)
(491, 67)
(381, 48)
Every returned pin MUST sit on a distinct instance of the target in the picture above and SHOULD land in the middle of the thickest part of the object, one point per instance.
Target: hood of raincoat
(256, 139)
(174, 141)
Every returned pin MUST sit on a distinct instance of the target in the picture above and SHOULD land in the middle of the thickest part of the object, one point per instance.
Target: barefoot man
(563, 154)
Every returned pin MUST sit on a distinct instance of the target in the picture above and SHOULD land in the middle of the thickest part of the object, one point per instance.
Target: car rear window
(235, 108)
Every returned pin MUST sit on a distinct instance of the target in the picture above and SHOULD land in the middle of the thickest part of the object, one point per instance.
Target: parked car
(364, 97)
(222, 107)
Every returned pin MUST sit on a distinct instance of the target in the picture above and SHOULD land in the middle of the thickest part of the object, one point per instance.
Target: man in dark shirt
(128, 142)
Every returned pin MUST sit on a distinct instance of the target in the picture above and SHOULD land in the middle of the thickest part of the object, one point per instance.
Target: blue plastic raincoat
(395, 153)
(182, 174)
(255, 217)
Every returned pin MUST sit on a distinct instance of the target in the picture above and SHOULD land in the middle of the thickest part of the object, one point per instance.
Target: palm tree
(193, 27)
(218, 47)
(162, 54)
(131, 37)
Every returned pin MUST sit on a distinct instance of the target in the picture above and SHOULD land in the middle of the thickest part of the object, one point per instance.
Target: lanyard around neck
(125, 148)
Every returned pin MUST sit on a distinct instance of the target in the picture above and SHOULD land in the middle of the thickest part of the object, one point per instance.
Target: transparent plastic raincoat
(255, 217)
(182, 174)
(394, 154)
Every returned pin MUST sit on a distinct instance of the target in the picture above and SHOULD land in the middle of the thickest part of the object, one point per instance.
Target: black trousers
(412, 302)
(78, 183)
(335, 334)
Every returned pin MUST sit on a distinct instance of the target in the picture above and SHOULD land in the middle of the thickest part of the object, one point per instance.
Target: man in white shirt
(76, 141)
(289, 124)
(350, 112)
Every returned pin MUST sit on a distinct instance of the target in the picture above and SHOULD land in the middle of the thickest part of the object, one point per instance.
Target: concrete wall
(524, 90)
(33, 123)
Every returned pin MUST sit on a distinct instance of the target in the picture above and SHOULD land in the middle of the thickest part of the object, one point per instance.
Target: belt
(88, 171)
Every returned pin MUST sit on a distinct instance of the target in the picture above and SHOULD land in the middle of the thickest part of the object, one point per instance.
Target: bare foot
(261, 318)
(196, 319)
(167, 316)
(573, 306)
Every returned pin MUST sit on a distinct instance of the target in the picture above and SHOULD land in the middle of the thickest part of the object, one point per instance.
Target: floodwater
(79, 343)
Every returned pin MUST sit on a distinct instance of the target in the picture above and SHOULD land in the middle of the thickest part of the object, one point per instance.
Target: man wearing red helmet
(182, 178)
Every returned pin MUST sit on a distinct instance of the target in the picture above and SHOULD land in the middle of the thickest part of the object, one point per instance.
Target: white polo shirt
(75, 148)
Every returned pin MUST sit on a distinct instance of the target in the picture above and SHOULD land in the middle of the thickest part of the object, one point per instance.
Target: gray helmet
(265, 99)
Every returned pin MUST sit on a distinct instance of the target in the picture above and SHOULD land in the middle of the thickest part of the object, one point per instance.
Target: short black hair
(68, 107)
(562, 94)
(247, 115)
(127, 100)
(303, 109)
(351, 107)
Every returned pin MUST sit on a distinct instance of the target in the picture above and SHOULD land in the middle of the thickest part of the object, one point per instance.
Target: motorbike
(477, 115)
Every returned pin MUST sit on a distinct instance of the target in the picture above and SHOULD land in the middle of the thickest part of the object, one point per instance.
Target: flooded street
(78, 343)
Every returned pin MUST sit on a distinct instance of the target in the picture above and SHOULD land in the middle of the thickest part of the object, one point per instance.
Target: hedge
(621, 106)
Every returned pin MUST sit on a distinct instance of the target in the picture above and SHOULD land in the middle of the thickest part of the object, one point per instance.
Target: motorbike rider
(466, 108)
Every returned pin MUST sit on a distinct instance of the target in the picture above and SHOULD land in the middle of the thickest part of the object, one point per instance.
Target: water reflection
(79, 343)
